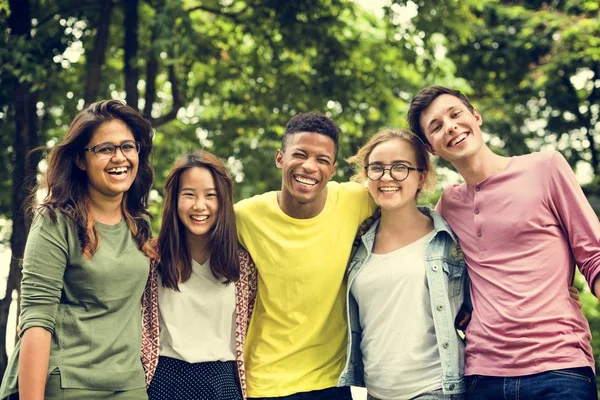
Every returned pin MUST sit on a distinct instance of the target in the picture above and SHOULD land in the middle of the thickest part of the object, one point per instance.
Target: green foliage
(244, 68)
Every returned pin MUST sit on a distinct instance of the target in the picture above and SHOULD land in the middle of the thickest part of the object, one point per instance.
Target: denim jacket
(446, 275)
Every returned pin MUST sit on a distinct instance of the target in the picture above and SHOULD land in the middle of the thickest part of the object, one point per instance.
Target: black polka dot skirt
(179, 380)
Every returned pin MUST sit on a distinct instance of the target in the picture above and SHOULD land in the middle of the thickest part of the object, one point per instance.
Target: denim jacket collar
(439, 225)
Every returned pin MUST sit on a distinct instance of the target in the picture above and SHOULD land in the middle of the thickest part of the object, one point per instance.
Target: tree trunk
(24, 172)
(130, 45)
(96, 60)
(151, 72)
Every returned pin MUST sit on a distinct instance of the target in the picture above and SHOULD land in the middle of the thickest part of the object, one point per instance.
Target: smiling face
(307, 164)
(197, 201)
(388, 193)
(113, 176)
(453, 131)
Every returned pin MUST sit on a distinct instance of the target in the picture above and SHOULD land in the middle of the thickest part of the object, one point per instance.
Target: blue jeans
(433, 395)
(560, 384)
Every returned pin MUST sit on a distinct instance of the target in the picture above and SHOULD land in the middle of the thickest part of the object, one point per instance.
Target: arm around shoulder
(577, 218)
(596, 286)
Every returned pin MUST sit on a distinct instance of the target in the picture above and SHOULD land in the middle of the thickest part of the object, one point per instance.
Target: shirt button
(478, 234)
(435, 268)
(476, 211)
(452, 386)
(445, 345)
(440, 308)
(477, 188)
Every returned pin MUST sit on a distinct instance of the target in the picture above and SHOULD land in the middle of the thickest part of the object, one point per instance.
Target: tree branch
(98, 55)
(73, 7)
(151, 72)
(233, 16)
(178, 100)
(130, 46)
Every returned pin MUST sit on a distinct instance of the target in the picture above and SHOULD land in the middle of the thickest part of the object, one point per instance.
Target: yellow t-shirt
(297, 336)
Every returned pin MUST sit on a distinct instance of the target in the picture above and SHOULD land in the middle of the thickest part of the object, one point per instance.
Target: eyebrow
(194, 189)
(306, 152)
(393, 162)
(433, 121)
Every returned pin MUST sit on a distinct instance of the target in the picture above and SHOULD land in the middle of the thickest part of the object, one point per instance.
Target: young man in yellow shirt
(300, 239)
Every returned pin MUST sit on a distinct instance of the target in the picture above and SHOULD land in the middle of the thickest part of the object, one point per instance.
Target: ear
(422, 179)
(278, 158)
(430, 148)
(477, 116)
(80, 162)
(333, 169)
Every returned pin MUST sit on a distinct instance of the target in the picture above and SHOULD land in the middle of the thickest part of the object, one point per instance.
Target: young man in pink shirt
(523, 224)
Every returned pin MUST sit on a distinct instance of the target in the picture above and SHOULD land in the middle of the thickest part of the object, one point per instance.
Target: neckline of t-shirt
(111, 228)
(320, 215)
(202, 269)
(496, 175)
(425, 238)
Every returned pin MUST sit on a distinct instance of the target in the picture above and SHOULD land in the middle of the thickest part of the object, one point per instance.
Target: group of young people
(299, 293)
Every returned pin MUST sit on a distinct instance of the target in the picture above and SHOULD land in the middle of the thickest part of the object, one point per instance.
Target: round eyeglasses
(398, 172)
(105, 151)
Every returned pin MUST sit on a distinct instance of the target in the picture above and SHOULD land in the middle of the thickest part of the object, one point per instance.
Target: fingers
(574, 293)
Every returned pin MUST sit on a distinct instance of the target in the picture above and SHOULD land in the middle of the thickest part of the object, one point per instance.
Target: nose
(118, 154)
(309, 165)
(451, 127)
(387, 175)
(199, 204)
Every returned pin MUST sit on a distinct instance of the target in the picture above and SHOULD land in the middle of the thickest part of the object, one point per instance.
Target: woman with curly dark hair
(86, 264)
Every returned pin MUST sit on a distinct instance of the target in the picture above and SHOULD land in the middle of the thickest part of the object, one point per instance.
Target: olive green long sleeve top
(91, 306)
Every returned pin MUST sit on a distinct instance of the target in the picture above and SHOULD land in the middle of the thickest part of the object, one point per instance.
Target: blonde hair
(360, 160)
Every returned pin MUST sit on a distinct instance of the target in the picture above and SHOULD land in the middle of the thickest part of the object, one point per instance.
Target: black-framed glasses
(398, 172)
(105, 151)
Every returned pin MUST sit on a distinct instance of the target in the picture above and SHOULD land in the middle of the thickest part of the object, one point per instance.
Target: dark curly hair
(313, 123)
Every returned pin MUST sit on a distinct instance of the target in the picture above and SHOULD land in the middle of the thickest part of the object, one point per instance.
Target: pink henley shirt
(522, 232)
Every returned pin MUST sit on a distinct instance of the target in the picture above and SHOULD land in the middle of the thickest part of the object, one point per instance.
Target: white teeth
(199, 217)
(389, 189)
(305, 181)
(118, 170)
(458, 139)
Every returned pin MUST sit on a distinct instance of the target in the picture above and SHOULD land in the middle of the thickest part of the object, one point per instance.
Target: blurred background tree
(226, 75)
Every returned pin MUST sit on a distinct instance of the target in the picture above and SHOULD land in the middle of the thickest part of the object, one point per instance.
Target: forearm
(34, 358)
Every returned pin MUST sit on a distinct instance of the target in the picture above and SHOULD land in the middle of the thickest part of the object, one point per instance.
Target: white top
(398, 344)
(197, 324)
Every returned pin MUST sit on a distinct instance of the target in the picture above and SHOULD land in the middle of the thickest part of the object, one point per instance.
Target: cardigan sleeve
(150, 327)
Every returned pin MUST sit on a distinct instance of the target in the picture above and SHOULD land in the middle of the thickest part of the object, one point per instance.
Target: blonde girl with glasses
(405, 281)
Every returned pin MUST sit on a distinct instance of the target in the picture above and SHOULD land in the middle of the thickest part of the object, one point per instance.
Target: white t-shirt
(398, 343)
(197, 324)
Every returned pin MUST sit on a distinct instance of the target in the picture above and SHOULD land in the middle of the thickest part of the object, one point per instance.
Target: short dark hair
(423, 99)
(313, 123)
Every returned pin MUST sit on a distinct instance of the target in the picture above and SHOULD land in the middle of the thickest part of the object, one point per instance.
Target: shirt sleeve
(438, 207)
(362, 197)
(44, 264)
(576, 216)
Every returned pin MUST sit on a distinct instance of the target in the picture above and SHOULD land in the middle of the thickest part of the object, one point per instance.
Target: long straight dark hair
(175, 260)
(66, 185)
